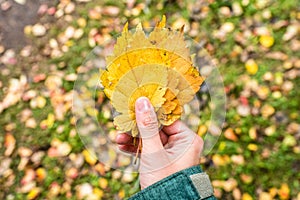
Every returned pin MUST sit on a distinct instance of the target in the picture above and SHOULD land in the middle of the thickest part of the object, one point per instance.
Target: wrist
(149, 178)
(190, 183)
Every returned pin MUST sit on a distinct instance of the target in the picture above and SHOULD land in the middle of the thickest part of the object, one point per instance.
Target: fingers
(163, 137)
(148, 125)
(124, 138)
(175, 128)
(126, 143)
(129, 148)
(180, 136)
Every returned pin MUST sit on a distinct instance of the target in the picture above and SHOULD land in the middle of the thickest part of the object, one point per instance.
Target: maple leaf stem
(139, 149)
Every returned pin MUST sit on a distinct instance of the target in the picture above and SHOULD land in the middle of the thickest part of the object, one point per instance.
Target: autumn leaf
(158, 67)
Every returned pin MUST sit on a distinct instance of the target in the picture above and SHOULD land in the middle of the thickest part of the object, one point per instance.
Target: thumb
(148, 126)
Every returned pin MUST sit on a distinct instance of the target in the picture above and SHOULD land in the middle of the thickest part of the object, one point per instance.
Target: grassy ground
(256, 47)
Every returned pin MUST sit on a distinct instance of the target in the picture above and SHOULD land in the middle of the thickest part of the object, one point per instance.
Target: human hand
(165, 151)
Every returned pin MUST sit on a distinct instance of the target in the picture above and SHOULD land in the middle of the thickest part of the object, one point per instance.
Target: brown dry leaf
(238, 159)
(59, 148)
(158, 67)
(230, 184)
(14, 93)
(267, 110)
(230, 135)
(277, 55)
(111, 11)
(236, 193)
(103, 183)
(219, 160)
(247, 179)
(28, 177)
(10, 144)
(30, 123)
(265, 196)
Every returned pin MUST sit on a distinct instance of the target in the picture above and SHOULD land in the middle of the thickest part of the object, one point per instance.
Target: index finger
(175, 128)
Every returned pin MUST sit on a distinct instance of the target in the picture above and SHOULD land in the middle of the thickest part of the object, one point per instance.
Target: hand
(165, 151)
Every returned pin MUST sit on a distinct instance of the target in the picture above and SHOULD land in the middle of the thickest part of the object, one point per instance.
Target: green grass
(280, 166)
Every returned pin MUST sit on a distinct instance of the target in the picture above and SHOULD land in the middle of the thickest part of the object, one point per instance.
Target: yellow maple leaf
(158, 67)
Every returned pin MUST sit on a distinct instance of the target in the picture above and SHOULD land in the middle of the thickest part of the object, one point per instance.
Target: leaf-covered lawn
(255, 45)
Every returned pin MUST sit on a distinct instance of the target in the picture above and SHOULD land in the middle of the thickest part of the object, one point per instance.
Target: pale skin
(165, 151)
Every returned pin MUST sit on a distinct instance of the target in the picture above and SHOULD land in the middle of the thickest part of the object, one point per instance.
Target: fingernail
(143, 104)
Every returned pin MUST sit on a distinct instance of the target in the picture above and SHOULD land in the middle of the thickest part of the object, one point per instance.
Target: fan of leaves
(158, 66)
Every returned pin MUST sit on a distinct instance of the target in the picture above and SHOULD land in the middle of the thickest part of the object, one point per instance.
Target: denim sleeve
(188, 184)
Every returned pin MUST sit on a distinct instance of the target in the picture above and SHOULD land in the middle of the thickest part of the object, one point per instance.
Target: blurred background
(254, 43)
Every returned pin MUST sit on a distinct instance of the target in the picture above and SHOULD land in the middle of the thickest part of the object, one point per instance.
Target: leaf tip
(181, 29)
(139, 27)
(162, 23)
(125, 28)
